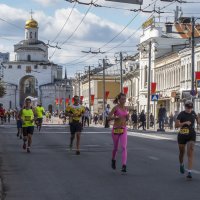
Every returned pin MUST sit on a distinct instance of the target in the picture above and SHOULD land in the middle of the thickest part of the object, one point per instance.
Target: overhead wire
(58, 34)
(116, 36)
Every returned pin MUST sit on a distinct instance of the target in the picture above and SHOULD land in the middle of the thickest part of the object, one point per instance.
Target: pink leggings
(123, 143)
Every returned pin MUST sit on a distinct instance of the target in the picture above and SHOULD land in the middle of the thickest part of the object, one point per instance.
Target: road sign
(140, 2)
(154, 97)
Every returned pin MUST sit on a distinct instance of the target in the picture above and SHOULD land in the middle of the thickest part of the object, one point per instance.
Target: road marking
(155, 137)
(153, 158)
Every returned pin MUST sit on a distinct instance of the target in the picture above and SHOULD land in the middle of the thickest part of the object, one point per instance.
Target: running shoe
(70, 147)
(20, 137)
(28, 150)
(17, 134)
(78, 152)
(189, 175)
(24, 146)
(123, 168)
(182, 169)
(113, 164)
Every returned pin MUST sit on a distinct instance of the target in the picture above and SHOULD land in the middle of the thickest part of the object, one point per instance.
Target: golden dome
(31, 23)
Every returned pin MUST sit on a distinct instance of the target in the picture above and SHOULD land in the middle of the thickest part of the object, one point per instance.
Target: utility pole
(89, 73)
(104, 90)
(192, 59)
(149, 84)
(121, 73)
(79, 85)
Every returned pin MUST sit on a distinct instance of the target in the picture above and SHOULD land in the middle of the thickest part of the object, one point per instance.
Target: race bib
(117, 131)
(27, 118)
(184, 131)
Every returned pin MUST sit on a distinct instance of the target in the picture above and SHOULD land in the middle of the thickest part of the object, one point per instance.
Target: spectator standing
(161, 117)
(142, 120)
(106, 113)
(134, 119)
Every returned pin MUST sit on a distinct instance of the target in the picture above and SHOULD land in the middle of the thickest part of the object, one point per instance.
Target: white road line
(155, 137)
(153, 158)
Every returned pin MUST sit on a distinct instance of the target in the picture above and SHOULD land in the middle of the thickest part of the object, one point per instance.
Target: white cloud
(47, 2)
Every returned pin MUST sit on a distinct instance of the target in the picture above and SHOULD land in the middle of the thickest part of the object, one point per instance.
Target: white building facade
(32, 74)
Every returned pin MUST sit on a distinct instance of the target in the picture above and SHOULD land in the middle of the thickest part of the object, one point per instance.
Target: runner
(120, 116)
(186, 136)
(39, 113)
(75, 113)
(19, 125)
(2, 113)
(27, 116)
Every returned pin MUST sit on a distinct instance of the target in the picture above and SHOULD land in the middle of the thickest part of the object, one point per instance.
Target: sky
(110, 29)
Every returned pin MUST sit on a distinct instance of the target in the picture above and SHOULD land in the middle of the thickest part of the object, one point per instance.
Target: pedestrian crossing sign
(154, 97)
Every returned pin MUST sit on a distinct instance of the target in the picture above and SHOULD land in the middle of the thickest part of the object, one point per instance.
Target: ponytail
(118, 97)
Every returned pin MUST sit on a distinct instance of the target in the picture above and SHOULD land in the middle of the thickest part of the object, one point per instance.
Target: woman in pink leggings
(120, 116)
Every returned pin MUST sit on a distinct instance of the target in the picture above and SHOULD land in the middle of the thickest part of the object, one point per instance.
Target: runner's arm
(178, 124)
(110, 115)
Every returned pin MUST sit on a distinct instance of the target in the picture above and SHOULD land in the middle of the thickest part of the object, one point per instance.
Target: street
(52, 172)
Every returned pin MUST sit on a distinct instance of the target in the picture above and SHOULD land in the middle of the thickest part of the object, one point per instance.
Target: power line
(64, 23)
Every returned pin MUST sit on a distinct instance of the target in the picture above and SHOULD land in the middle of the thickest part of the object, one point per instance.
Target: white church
(32, 74)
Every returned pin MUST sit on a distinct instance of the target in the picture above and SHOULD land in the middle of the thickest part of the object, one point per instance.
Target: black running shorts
(28, 130)
(39, 120)
(75, 127)
(184, 139)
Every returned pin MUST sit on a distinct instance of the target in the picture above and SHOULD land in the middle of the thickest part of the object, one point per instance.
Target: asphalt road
(52, 172)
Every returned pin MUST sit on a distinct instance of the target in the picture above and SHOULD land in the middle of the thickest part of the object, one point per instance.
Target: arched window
(30, 35)
(35, 35)
(29, 58)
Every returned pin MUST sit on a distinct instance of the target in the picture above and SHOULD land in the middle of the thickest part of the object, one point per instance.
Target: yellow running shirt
(76, 110)
(39, 111)
(27, 116)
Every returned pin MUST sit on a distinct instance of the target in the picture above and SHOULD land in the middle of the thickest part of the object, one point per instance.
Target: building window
(30, 35)
(10, 67)
(29, 58)
(35, 67)
(28, 69)
(19, 67)
(44, 67)
(35, 35)
(145, 76)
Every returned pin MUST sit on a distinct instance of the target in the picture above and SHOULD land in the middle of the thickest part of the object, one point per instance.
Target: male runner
(75, 112)
(186, 136)
(27, 116)
(39, 113)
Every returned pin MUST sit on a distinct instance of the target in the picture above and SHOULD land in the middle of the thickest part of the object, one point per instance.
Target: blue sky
(99, 26)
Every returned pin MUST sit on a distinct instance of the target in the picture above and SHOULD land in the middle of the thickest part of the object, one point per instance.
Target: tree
(2, 90)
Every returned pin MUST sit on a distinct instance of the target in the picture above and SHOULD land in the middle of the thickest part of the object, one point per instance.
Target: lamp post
(149, 86)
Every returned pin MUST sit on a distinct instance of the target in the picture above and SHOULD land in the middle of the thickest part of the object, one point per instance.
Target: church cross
(31, 14)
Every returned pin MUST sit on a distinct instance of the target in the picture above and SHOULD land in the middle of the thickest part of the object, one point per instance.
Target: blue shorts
(19, 124)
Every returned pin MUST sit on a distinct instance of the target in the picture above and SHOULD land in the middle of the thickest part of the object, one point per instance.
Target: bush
(2, 90)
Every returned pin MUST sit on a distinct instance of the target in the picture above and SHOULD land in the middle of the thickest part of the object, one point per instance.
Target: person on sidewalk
(134, 119)
(161, 117)
(86, 117)
(75, 112)
(186, 136)
(142, 120)
(120, 116)
(28, 117)
(106, 114)
(151, 120)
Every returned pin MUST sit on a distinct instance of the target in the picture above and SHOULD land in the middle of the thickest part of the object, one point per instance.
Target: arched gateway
(28, 87)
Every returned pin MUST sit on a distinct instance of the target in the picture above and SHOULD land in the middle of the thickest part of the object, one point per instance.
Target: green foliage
(2, 90)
